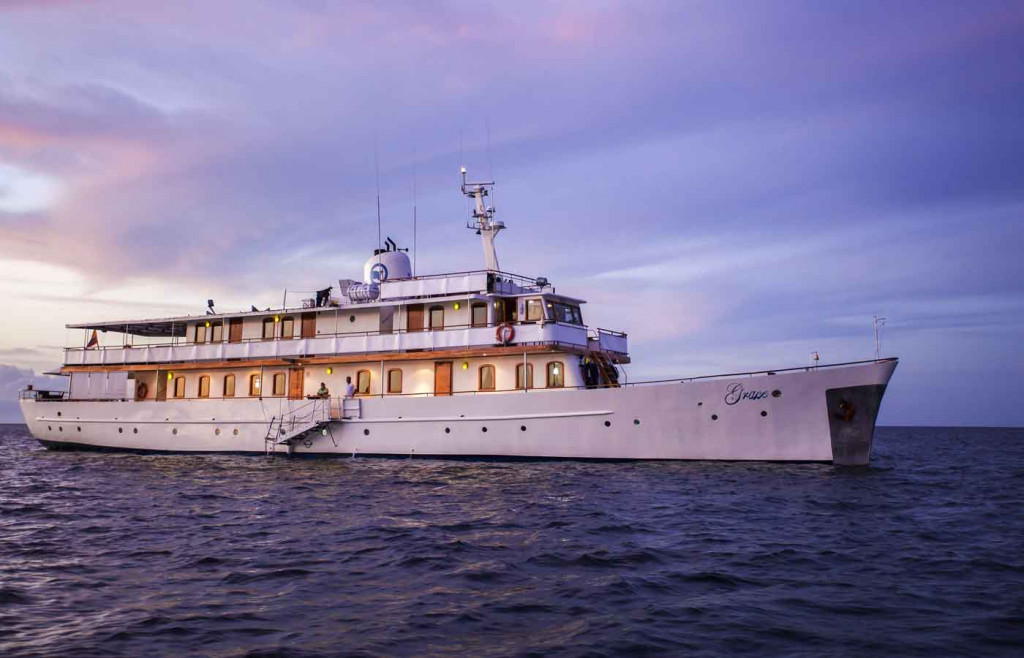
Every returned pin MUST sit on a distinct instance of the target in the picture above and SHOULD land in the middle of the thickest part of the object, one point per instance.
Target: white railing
(549, 332)
(612, 341)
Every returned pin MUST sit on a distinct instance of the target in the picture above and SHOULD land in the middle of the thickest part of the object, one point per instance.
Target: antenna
(414, 211)
(376, 168)
(482, 215)
(879, 323)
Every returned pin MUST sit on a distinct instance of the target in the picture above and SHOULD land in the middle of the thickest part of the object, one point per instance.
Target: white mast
(483, 221)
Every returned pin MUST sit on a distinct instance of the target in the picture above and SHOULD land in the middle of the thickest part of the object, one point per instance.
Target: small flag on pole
(94, 341)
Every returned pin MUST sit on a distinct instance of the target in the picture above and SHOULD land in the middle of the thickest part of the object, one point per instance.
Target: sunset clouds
(777, 171)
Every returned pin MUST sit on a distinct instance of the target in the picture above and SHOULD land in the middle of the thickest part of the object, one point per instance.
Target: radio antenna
(414, 211)
(376, 168)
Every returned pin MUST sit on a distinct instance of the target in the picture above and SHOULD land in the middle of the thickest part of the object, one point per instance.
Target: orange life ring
(141, 391)
(505, 333)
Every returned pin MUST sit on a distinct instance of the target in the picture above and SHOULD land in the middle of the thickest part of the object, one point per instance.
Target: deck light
(170, 376)
(465, 365)
(207, 323)
(277, 318)
(456, 306)
(330, 370)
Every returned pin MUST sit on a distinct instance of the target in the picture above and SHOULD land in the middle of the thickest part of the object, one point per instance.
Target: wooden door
(295, 383)
(415, 322)
(161, 385)
(443, 378)
(309, 325)
(235, 330)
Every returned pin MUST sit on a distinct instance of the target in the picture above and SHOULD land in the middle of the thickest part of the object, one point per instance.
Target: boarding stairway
(609, 374)
(312, 417)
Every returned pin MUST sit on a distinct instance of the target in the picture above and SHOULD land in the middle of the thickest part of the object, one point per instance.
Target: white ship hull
(824, 414)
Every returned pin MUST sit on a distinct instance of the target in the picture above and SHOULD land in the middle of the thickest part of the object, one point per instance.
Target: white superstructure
(472, 364)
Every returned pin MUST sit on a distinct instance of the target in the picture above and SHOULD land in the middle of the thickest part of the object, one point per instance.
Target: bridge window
(268, 328)
(204, 386)
(528, 381)
(179, 387)
(287, 328)
(278, 383)
(556, 374)
(255, 386)
(363, 382)
(486, 378)
(534, 311)
(566, 313)
(436, 318)
(394, 381)
(229, 386)
(479, 315)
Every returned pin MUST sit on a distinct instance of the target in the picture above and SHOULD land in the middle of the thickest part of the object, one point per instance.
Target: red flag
(94, 341)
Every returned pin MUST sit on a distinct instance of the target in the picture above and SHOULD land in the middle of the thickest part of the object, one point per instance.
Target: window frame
(480, 377)
(279, 377)
(203, 379)
(179, 379)
(216, 332)
(287, 322)
(430, 317)
(401, 377)
(529, 376)
(561, 375)
(534, 302)
(273, 329)
(224, 386)
(369, 383)
(199, 335)
(473, 308)
(255, 385)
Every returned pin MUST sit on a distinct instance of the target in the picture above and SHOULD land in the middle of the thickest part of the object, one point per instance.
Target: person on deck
(350, 390)
(323, 392)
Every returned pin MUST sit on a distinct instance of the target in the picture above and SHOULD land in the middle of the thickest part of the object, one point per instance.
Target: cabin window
(204, 386)
(566, 313)
(278, 383)
(528, 381)
(479, 318)
(436, 318)
(179, 387)
(268, 328)
(394, 381)
(363, 382)
(486, 378)
(255, 386)
(217, 332)
(229, 386)
(287, 328)
(200, 333)
(534, 312)
(556, 374)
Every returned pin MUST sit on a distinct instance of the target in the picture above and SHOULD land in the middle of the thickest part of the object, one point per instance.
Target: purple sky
(735, 184)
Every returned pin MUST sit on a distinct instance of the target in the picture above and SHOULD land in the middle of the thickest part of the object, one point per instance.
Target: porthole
(60, 428)
(700, 404)
(235, 431)
(447, 430)
(79, 428)
(776, 393)
(351, 318)
(59, 414)
(366, 432)
(49, 428)
(484, 429)
(763, 414)
(607, 423)
(120, 430)
(714, 416)
(135, 430)
(522, 428)
(217, 431)
(174, 431)
(636, 421)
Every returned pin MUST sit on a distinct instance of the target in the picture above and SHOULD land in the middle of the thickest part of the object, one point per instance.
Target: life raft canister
(505, 333)
(141, 391)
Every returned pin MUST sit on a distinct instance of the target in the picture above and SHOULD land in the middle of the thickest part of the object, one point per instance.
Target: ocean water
(122, 555)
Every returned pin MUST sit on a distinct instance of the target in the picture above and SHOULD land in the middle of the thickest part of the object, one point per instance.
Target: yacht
(478, 364)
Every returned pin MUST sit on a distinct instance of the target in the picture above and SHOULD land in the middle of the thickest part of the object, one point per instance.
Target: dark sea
(920, 554)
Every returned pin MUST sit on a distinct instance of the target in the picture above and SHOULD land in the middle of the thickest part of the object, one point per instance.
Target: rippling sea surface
(920, 554)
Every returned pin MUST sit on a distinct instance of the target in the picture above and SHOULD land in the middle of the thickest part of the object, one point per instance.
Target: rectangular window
(268, 328)
(394, 381)
(556, 375)
(534, 311)
(436, 318)
(200, 333)
(479, 315)
(255, 386)
(279, 383)
(363, 382)
(566, 313)
(217, 332)
(287, 328)
(204, 386)
(179, 387)
(528, 382)
(487, 378)
(229, 386)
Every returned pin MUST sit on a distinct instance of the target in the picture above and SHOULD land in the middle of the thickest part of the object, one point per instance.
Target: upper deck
(410, 314)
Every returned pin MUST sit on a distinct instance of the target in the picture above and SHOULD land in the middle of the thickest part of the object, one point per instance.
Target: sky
(734, 184)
